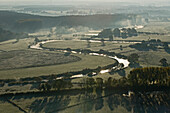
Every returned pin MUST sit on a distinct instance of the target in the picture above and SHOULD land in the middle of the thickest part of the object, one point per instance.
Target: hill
(7, 35)
(30, 23)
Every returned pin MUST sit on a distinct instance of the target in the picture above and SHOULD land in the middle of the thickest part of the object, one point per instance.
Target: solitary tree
(134, 32)
(68, 84)
(111, 38)
(116, 32)
(121, 47)
(36, 40)
(90, 82)
(88, 44)
(41, 45)
(102, 40)
(163, 61)
(133, 58)
(99, 82)
(108, 83)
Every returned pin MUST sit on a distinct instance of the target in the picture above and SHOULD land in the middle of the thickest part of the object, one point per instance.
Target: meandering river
(125, 62)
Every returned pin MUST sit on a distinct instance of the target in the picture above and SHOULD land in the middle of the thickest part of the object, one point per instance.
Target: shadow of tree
(85, 102)
(141, 103)
(99, 102)
(49, 104)
(86, 107)
(122, 72)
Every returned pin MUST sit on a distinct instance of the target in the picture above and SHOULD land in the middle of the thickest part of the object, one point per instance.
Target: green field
(8, 108)
(26, 58)
(21, 45)
(87, 102)
(52, 103)
(86, 62)
(152, 58)
(41, 58)
(18, 61)
(96, 46)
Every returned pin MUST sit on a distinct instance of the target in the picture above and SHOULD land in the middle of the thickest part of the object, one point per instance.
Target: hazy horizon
(72, 2)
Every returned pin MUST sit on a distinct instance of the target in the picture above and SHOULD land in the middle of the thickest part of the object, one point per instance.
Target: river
(125, 62)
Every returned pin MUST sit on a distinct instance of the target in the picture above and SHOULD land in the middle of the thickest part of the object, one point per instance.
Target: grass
(6, 107)
(52, 103)
(44, 104)
(86, 62)
(16, 88)
(83, 45)
(21, 45)
(142, 37)
(152, 59)
(28, 58)
(146, 58)
(156, 26)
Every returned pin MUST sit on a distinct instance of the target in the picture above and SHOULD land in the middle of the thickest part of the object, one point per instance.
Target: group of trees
(149, 76)
(56, 84)
(139, 77)
(124, 33)
(150, 44)
(164, 62)
(99, 83)
(90, 82)
(31, 23)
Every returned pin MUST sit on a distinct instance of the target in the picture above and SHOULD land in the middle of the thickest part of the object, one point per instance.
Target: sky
(17, 2)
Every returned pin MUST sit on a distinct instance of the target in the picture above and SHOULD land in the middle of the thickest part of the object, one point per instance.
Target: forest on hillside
(19, 22)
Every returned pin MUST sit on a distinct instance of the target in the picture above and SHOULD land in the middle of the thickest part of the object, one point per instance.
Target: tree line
(138, 78)
(159, 76)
